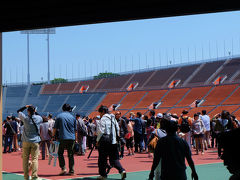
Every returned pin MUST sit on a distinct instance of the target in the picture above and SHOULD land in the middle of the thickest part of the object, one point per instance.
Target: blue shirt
(137, 125)
(66, 123)
(30, 133)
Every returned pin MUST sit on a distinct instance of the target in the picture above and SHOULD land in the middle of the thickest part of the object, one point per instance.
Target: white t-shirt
(206, 121)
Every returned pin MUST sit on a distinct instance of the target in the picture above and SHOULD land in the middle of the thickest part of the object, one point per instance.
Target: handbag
(153, 143)
(128, 136)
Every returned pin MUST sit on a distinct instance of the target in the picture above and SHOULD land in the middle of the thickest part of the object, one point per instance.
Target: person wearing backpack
(82, 132)
(185, 124)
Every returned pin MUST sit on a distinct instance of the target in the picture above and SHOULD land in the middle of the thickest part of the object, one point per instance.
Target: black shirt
(9, 130)
(172, 150)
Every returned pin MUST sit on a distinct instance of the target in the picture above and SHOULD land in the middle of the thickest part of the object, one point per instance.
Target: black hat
(185, 111)
(66, 107)
(78, 115)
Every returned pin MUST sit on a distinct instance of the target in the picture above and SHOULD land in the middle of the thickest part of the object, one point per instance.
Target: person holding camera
(31, 139)
(67, 126)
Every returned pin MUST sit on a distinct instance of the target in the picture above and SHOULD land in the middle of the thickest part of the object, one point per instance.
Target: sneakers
(63, 172)
(123, 175)
(101, 178)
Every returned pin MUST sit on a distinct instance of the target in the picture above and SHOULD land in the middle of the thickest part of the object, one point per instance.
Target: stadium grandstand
(214, 85)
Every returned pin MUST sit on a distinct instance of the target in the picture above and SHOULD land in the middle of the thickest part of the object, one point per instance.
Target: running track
(12, 163)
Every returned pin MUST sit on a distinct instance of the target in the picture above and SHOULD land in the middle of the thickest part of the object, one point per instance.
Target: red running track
(12, 162)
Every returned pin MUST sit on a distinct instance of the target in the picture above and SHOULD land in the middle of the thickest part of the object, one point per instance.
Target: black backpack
(185, 127)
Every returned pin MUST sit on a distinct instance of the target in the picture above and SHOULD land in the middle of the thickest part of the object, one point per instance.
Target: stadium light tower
(39, 31)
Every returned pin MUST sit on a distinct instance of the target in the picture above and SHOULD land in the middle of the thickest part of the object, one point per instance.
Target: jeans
(8, 143)
(33, 149)
(81, 145)
(69, 145)
(144, 141)
(138, 141)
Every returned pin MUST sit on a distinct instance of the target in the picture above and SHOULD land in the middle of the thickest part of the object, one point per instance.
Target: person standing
(206, 120)
(67, 126)
(45, 137)
(31, 139)
(152, 116)
(137, 132)
(107, 132)
(123, 131)
(81, 133)
(185, 124)
(51, 123)
(172, 150)
(9, 132)
(91, 134)
(198, 133)
(129, 137)
(15, 135)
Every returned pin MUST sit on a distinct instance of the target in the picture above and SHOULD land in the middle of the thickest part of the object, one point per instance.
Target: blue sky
(83, 51)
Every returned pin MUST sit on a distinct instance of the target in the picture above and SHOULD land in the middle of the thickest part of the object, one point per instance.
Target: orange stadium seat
(112, 98)
(237, 114)
(66, 88)
(162, 110)
(234, 98)
(173, 97)
(194, 94)
(93, 114)
(131, 99)
(219, 109)
(50, 88)
(218, 94)
(152, 96)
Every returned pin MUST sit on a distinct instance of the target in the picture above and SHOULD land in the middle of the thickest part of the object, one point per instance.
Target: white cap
(159, 115)
(98, 117)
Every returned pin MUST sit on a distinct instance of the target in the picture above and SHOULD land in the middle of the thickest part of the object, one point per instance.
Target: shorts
(129, 142)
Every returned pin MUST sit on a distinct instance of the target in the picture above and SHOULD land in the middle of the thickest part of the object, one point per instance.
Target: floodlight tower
(39, 31)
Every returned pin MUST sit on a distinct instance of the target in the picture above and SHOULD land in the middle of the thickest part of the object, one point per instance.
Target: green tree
(106, 75)
(58, 80)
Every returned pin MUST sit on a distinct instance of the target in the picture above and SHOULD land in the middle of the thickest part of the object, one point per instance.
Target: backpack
(184, 127)
(82, 129)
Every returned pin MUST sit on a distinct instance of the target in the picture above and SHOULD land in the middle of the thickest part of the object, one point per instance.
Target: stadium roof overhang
(20, 15)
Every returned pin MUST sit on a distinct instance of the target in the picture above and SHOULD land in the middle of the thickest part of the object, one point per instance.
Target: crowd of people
(111, 133)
